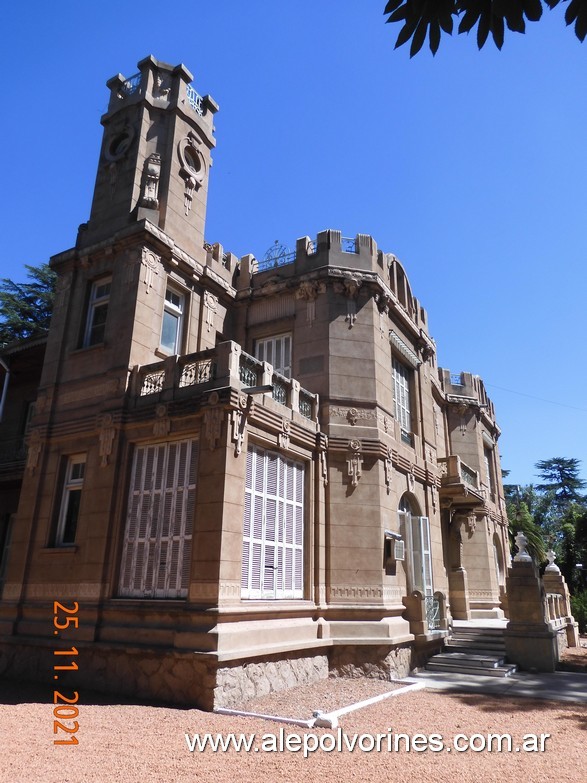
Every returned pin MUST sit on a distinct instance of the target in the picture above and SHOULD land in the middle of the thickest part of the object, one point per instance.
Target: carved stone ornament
(119, 143)
(162, 423)
(150, 263)
(354, 461)
(213, 426)
(349, 286)
(213, 398)
(522, 543)
(192, 167)
(106, 438)
(211, 305)
(151, 176)
(352, 416)
(284, 435)
(238, 424)
(34, 446)
(411, 478)
(309, 291)
(434, 496)
(388, 466)
(552, 567)
(162, 86)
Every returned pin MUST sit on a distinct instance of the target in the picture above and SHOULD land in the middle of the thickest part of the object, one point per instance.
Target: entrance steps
(473, 650)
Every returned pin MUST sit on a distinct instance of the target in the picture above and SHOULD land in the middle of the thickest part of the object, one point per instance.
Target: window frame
(95, 303)
(177, 312)
(274, 529)
(284, 368)
(71, 484)
(156, 555)
(402, 386)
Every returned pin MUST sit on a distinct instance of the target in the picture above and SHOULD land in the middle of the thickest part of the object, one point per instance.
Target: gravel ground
(146, 744)
(326, 696)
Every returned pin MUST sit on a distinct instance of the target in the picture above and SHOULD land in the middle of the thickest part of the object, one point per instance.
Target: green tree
(25, 308)
(561, 482)
(429, 18)
(520, 521)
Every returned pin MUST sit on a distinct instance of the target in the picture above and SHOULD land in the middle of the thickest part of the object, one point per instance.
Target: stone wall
(244, 681)
(379, 663)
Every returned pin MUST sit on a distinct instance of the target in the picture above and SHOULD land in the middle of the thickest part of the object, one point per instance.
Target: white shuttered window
(276, 351)
(420, 553)
(273, 527)
(158, 536)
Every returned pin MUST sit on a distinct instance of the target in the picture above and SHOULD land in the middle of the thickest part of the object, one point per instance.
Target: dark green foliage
(25, 308)
(520, 521)
(422, 18)
(579, 610)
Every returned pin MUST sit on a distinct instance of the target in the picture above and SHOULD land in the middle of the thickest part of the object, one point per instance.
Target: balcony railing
(13, 450)
(455, 471)
(195, 100)
(226, 365)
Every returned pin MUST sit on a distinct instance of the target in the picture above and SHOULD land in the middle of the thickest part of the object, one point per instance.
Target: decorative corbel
(192, 167)
(238, 423)
(106, 438)
(162, 423)
(354, 461)
(150, 263)
(349, 286)
(411, 479)
(152, 174)
(34, 447)
(213, 424)
(211, 305)
(309, 291)
(284, 435)
(388, 466)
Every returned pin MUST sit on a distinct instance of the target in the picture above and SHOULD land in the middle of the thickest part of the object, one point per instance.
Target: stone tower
(155, 157)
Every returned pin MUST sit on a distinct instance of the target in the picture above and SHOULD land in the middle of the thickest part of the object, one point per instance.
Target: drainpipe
(5, 387)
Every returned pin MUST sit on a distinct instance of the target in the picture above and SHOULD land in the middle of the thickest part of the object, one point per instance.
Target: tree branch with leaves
(430, 18)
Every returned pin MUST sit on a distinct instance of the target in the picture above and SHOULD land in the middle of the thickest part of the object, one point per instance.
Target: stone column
(530, 640)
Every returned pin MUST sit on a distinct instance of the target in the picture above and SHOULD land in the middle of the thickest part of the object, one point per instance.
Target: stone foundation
(380, 663)
(197, 680)
(243, 681)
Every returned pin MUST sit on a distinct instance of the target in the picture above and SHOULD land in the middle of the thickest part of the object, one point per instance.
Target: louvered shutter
(272, 554)
(426, 556)
(157, 545)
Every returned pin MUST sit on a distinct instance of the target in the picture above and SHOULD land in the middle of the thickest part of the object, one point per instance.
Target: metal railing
(152, 382)
(131, 85)
(281, 386)
(348, 245)
(432, 605)
(469, 476)
(199, 371)
(250, 370)
(195, 100)
(273, 263)
(306, 400)
(13, 450)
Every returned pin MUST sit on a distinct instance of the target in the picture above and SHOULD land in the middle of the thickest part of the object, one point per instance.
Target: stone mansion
(243, 473)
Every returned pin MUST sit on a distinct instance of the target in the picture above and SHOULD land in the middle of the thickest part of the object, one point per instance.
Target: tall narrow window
(70, 500)
(401, 395)
(158, 536)
(417, 533)
(273, 527)
(97, 311)
(172, 320)
(488, 459)
(277, 351)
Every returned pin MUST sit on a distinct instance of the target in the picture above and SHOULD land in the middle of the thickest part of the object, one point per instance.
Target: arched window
(416, 530)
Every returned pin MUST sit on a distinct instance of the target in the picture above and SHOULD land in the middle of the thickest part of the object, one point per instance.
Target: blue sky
(470, 167)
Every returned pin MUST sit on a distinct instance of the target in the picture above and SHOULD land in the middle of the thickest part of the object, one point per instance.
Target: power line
(533, 397)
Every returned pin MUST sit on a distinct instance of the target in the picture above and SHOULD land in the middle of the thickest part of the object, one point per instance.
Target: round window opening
(192, 160)
(119, 145)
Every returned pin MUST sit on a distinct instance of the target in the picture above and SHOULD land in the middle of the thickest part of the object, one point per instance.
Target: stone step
(499, 671)
(495, 652)
(463, 644)
(469, 660)
(476, 633)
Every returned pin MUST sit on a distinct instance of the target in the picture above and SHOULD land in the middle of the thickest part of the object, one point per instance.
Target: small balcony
(226, 365)
(459, 480)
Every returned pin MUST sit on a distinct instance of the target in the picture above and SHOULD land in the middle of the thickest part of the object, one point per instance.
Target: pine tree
(25, 308)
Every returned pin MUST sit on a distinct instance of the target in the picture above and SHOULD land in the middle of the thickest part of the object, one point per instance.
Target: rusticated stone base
(244, 681)
(381, 663)
(196, 680)
(179, 678)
